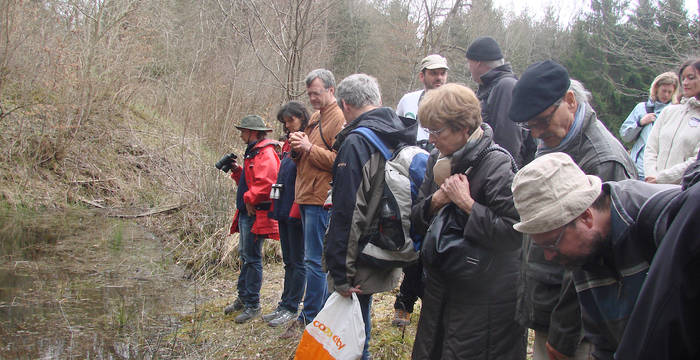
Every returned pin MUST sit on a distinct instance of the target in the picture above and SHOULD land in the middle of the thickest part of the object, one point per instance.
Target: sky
(567, 8)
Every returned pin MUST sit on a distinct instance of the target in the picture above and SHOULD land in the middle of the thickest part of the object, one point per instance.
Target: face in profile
(571, 246)
(690, 81)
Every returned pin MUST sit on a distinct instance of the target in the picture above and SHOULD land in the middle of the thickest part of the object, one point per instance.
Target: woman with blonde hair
(467, 314)
(674, 141)
(638, 125)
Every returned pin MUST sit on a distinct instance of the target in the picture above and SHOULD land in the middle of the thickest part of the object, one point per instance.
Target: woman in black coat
(468, 318)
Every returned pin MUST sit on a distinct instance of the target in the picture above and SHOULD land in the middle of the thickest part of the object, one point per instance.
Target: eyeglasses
(542, 123)
(553, 246)
(437, 132)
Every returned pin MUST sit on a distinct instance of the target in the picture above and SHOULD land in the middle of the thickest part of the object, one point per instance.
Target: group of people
(592, 247)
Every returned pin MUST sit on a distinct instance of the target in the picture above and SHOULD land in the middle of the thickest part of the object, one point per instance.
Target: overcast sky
(567, 8)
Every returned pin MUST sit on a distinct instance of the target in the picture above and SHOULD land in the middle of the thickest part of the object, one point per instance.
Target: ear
(331, 90)
(421, 76)
(570, 100)
(587, 218)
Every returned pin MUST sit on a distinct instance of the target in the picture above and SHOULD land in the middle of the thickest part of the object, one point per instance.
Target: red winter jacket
(260, 173)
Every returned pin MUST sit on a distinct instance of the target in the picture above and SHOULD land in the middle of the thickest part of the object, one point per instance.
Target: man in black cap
(496, 81)
(555, 109)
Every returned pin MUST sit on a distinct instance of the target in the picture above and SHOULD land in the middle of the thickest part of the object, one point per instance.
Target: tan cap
(552, 191)
(433, 61)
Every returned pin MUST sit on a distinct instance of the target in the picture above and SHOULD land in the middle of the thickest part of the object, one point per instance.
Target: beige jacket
(314, 168)
(674, 142)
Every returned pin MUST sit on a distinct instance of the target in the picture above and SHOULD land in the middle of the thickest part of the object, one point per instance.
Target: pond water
(96, 288)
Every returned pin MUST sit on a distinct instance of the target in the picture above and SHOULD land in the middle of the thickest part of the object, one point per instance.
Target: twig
(91, 181)
(90, 202)
(149, 213)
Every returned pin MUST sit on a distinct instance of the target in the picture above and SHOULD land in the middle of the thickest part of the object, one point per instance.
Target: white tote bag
(337, 332)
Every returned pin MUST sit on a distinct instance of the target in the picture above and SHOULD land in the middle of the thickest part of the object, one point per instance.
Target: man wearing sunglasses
(555, 108)
(607, 233)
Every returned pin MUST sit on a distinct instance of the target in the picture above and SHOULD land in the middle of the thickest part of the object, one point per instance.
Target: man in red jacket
(253, 205)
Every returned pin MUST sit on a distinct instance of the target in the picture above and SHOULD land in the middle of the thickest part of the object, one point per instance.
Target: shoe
(273, 315)
(236, 306)
(247, 314)
(284, 317)
(401, 318)
(294, 330)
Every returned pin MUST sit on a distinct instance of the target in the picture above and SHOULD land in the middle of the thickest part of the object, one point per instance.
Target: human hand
(349, 291)
(456, 187)
(438, 200)
(299, 141)
(250, 209)
(647, 119)
(554, 354)
(650, 179)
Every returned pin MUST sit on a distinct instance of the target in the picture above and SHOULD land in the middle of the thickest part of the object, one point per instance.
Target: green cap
(253, 122)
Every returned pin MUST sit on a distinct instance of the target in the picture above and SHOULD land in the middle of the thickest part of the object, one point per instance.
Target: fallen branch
(149, 213)
(91, 202)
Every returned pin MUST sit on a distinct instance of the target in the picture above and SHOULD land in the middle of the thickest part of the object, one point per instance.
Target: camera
(226, 162)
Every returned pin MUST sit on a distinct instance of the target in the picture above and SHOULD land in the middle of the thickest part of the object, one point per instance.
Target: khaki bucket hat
(552, 191)
(253, 122)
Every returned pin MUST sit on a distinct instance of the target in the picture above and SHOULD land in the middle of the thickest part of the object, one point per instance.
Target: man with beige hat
(592, 228)
(556, 110)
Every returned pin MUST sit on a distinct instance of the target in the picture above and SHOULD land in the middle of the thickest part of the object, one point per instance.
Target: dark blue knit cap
(484, 48)
(540, 86)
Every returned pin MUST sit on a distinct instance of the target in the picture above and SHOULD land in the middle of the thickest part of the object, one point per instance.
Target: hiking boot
(284, 317)
(294, 330)
(273, 315)
(247, 314)
(401, 318)
(236, 306)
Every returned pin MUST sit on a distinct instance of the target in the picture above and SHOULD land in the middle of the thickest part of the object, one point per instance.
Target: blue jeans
(250, 249)
(315, 222)
(292, 243)
(366, 307)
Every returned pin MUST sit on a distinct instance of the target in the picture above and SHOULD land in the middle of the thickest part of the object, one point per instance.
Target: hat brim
(254, 129)
(555, 217)
(436, 66)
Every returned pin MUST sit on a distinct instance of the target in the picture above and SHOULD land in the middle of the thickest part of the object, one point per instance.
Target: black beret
(540, 86)
(484, 48)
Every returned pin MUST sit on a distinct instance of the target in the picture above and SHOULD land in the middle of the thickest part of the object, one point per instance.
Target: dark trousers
(292, 244)
(411, 287)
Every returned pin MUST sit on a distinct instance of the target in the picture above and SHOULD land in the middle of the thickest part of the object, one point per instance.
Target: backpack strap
(375, 140)
(494, 147)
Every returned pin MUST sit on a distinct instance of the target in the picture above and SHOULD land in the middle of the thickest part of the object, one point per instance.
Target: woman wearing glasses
(474, 317)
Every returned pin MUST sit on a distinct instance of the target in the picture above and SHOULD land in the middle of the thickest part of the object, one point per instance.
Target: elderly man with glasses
(555, 108)
(607, 233)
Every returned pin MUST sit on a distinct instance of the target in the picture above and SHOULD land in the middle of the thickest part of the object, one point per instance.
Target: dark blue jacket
(608, 285)
(287, 177)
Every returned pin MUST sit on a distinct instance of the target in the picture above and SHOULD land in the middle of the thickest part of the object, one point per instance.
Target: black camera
(226, 162)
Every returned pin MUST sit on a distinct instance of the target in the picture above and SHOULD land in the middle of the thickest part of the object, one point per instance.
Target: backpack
(393, 243)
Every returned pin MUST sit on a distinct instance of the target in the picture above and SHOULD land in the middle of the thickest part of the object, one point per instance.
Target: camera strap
(320, 131)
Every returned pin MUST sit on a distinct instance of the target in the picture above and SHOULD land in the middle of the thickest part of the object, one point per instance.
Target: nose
(549, 254)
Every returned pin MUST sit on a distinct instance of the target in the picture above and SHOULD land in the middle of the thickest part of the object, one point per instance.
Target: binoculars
(226, 162)
(276, 191)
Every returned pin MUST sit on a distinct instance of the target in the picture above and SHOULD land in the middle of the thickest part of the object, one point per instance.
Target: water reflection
(105, 292)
